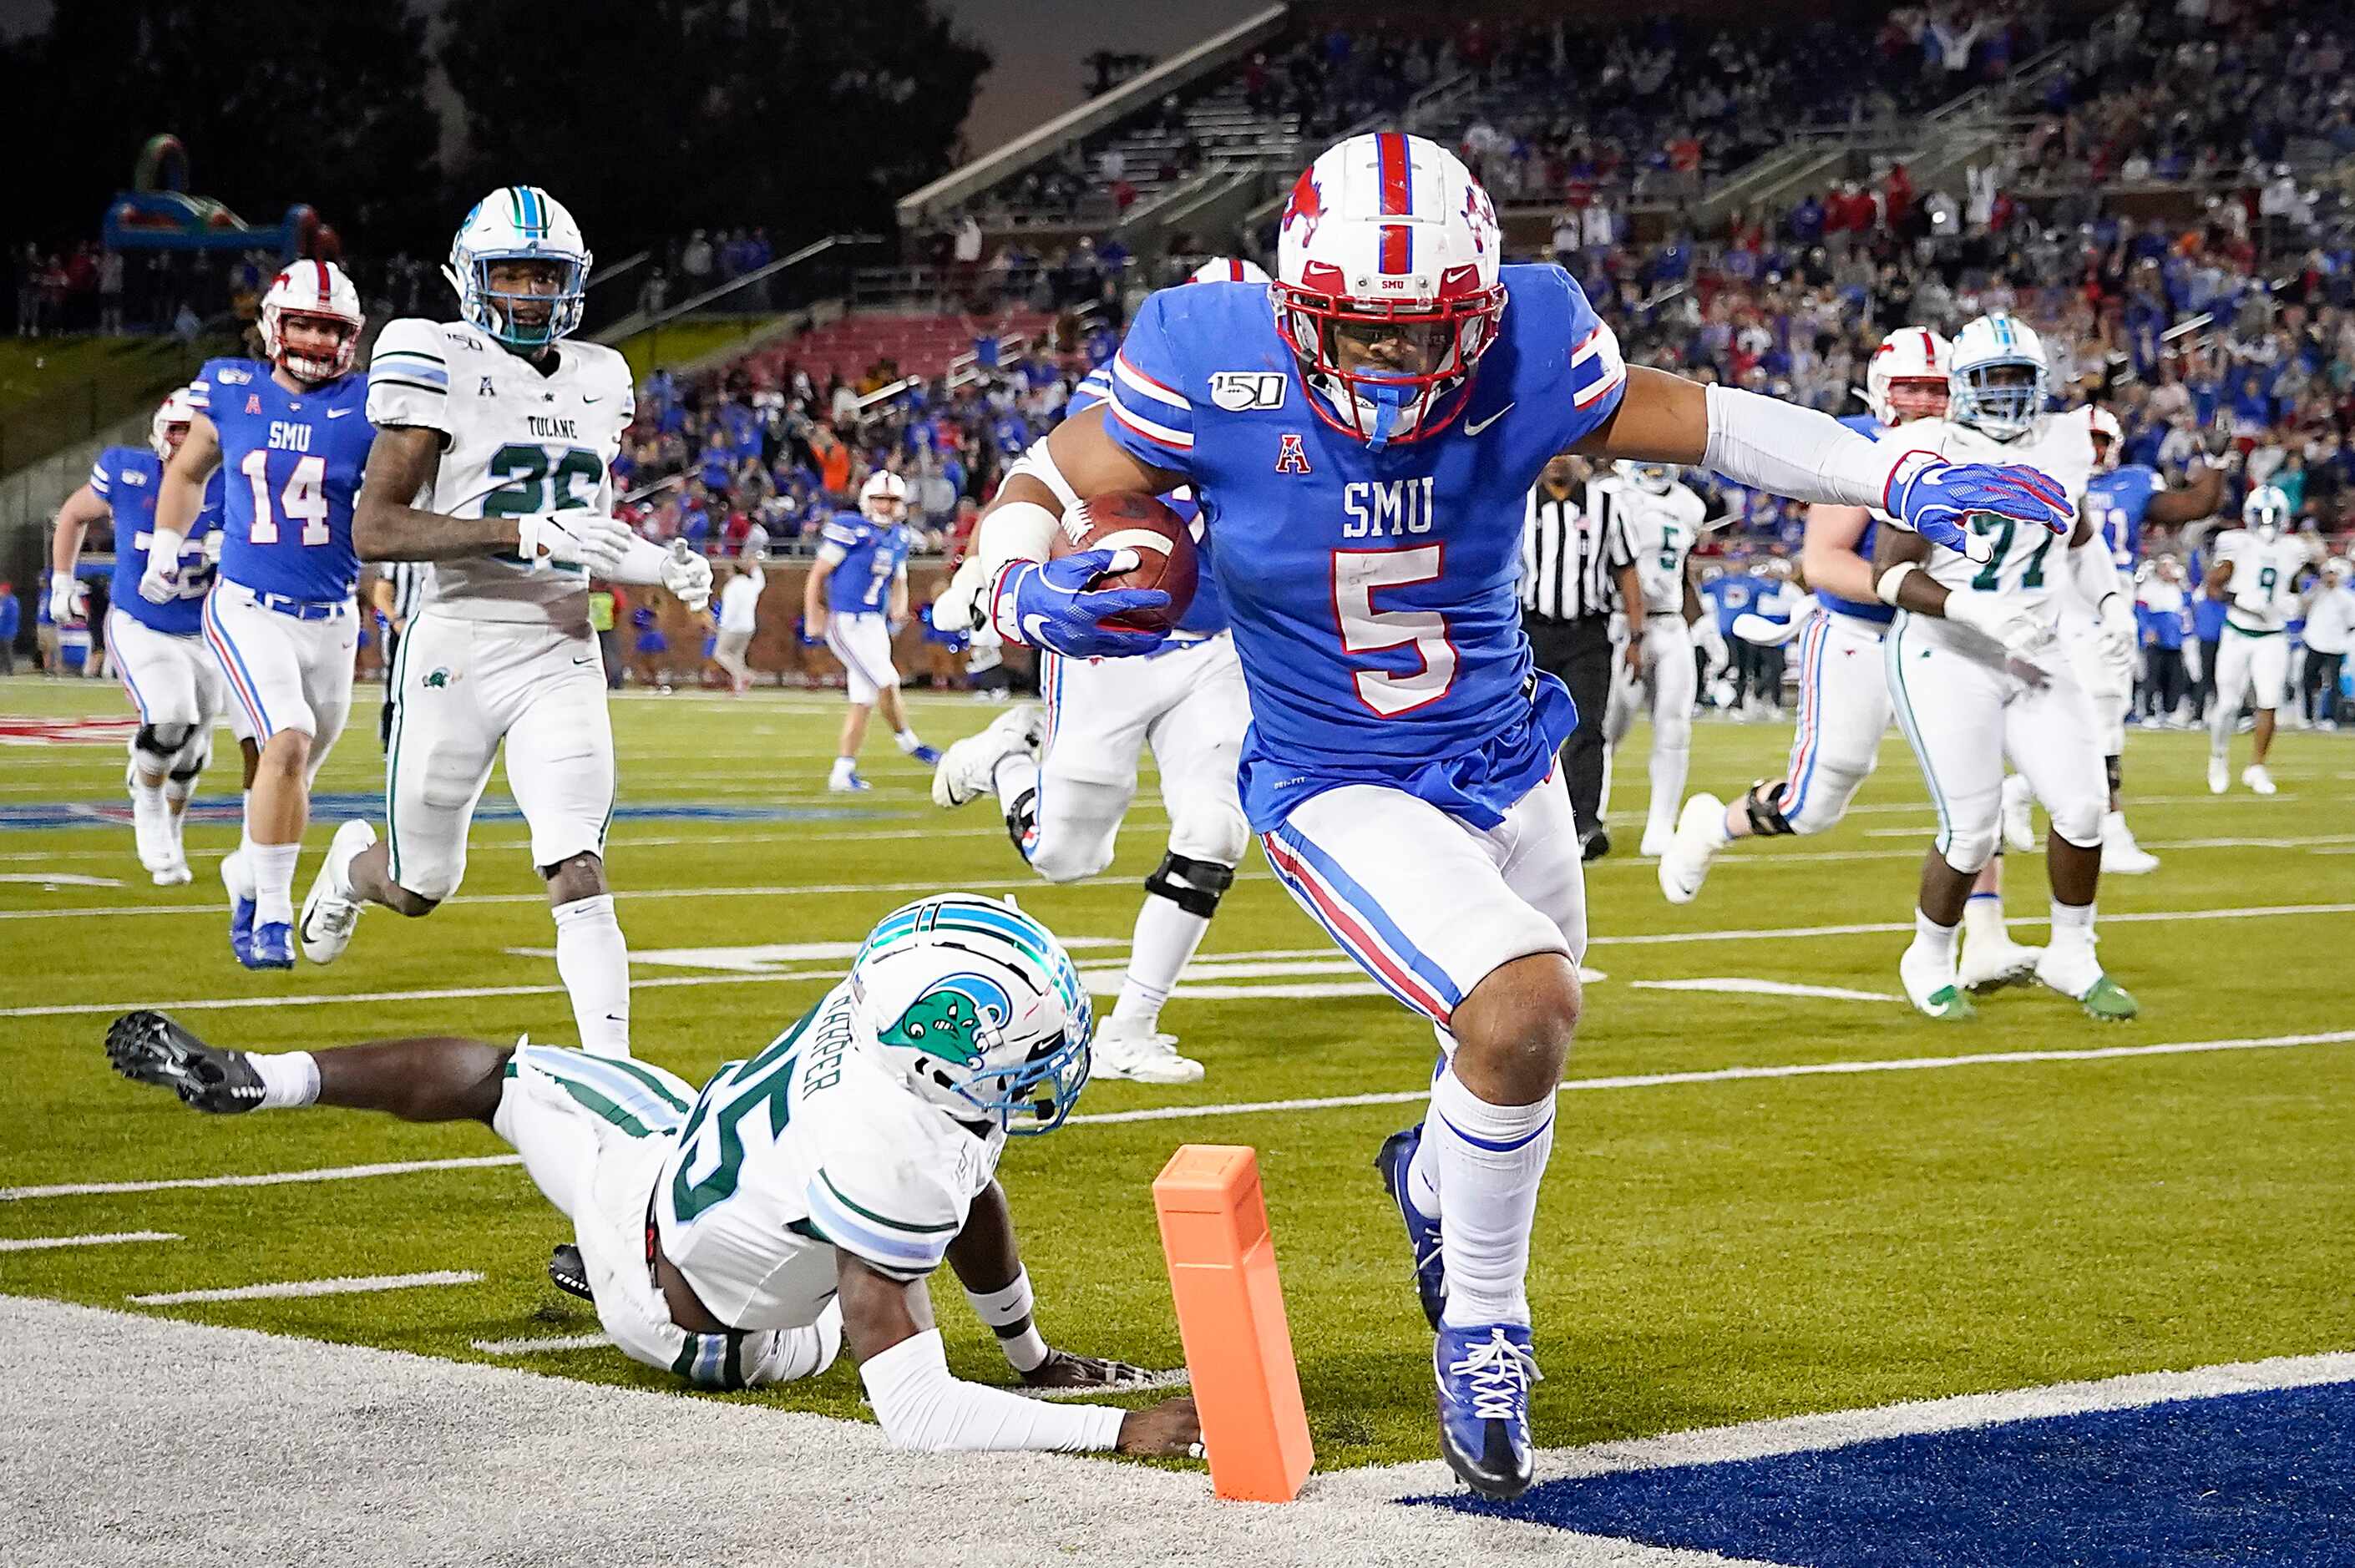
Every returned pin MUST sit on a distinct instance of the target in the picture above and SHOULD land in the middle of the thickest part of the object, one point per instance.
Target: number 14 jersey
(519, 436)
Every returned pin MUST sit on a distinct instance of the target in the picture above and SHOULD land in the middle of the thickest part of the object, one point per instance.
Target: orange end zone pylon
(1231, 1315)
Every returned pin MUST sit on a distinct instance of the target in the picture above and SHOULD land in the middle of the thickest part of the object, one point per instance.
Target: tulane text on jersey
(290, 464)
(1372, 592)
(128, 480)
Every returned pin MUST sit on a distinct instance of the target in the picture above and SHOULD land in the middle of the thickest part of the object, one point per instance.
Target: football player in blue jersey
(1362, 436)
(1065, 780)
(2118, 501)
(856, 598)
(288, 434)
(158, 648)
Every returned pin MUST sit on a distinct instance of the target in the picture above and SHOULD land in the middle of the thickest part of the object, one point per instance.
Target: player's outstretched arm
(888, 1324)
(2173, 508)
(1785, 449)
(2218, 580)
(990, 1266)
(82, 508)
(813, 592)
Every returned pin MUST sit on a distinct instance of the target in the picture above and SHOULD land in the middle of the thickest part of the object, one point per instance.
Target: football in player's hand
(1162, 542)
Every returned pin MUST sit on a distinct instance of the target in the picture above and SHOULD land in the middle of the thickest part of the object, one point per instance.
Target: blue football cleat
(929, 756)
(1484, 1374)
(240, 905)
(271, 947)
(848, 784)
(1422, 1233)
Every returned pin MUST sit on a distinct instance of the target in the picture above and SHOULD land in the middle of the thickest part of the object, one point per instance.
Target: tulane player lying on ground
(740, 1236)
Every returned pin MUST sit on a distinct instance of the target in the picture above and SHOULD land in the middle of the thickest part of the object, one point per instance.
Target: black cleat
(567, 1273)
(149, 1048)
(1595, 844)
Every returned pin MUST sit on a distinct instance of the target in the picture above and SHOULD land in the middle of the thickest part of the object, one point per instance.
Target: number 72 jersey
(291, 466)
(519, 436)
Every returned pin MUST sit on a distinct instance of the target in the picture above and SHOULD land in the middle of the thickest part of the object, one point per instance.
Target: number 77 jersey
(1373, 592)
(291, 466)
(519, 436)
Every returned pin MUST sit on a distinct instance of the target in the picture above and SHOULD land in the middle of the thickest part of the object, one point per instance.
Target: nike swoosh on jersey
(1473, 427)
(337, 413)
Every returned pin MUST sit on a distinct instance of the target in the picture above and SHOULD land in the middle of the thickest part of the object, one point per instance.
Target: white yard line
(343, 1285)
(1332, 1102)
(106, 1238)
(1740, 985)
(534, 1347)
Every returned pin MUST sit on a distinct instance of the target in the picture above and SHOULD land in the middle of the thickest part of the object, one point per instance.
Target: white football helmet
(511, 223)
(1387, 284)
(884, 497)
(318, 291)
(978, 1007)
(2000, 377)
(1653, 478)
(2106, 428)
(1228, 269)
(2265, 512)
(177, 408)
(1907, 375)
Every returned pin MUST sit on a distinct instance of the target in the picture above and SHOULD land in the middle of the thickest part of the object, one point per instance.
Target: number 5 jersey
(519, 436)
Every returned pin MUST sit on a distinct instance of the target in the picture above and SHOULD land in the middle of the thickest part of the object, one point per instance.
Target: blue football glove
(1049, 604)
(1936, 498)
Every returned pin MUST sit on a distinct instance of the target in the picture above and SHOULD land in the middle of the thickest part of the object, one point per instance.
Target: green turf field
(1710, 1251)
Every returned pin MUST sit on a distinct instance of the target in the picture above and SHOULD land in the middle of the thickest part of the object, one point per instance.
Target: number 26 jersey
(520, 438)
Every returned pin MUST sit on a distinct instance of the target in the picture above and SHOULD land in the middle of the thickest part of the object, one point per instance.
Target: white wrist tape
(1892, 580)
(1785, 449)
(921, 1406)
(1015, 530)
(1004, 1309)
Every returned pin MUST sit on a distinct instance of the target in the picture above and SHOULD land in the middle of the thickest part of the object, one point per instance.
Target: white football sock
(594, 964)
(1422, 1174)
(2073, 925)
(1490, 1158)
(150, 811)
(1669, 766)
(2114, 827)
(1982, 917)
(1163, 945)
(843, 768)
(288, 1078)
(1015, 776)
(1936, 940)
(272, 866)
(906, 740)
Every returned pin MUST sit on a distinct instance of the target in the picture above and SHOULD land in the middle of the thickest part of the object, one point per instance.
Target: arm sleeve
(1150, 413)
(1785, 449)
(408, 378)
(891, 1214)
(921, 1407)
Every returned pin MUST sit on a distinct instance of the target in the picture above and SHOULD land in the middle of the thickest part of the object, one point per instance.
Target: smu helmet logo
(1307, 204)
(954, 1018)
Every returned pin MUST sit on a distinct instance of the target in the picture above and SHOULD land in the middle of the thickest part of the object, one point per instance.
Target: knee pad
(163, 741)
(1194, 885)
(1763, 806)
(1969, 849)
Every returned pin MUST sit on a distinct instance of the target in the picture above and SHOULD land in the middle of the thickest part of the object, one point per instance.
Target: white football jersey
(2029, 560)
(1660, 532)
(516, 441)
(808, 1146)
(2263, 594)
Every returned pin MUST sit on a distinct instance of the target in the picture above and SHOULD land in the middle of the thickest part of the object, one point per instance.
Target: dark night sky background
(1039, 45)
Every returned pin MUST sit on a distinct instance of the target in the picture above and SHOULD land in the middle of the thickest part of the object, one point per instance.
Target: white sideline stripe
(108, 1238)
(1176, 1377)
(264, 1178)
(1332, 1102)
(342, 1285)
(1738, 985)
(534, 1347)
(1842, 1428)
(1884, 928)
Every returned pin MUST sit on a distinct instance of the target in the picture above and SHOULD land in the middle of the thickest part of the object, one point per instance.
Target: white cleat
(2073, 970)
(1684, 861)
(2121, 856)
(173, 873)
(1142, 1056)
(1655, 842)
(2019, 829)
(1994, 960)
(325, 930)
(968, 769)
(2258, 781)
(1933, 988)
(2220, 776)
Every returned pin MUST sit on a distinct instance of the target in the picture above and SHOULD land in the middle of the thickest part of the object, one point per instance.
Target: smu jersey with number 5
(519, 436)
(290, 464)
(809, 1146)
(1373, 593)
(126, 479)
(2029, 560)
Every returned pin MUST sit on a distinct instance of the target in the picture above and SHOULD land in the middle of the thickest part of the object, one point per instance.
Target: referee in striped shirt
(399, 587)
(1574, 563)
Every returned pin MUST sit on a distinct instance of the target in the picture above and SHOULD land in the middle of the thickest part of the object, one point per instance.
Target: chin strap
(1387, 401)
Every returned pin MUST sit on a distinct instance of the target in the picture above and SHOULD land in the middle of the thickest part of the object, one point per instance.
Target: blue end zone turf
(2265, 1477)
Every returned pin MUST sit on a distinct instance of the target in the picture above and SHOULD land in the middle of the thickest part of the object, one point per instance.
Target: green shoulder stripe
(868, 1213)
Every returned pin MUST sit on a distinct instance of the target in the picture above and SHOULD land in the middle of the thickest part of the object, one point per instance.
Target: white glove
(578, 537)
(65, 597)
(2021, 628)
(687, 576)
(160, 583)
(1765, 633)
(959, 607)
